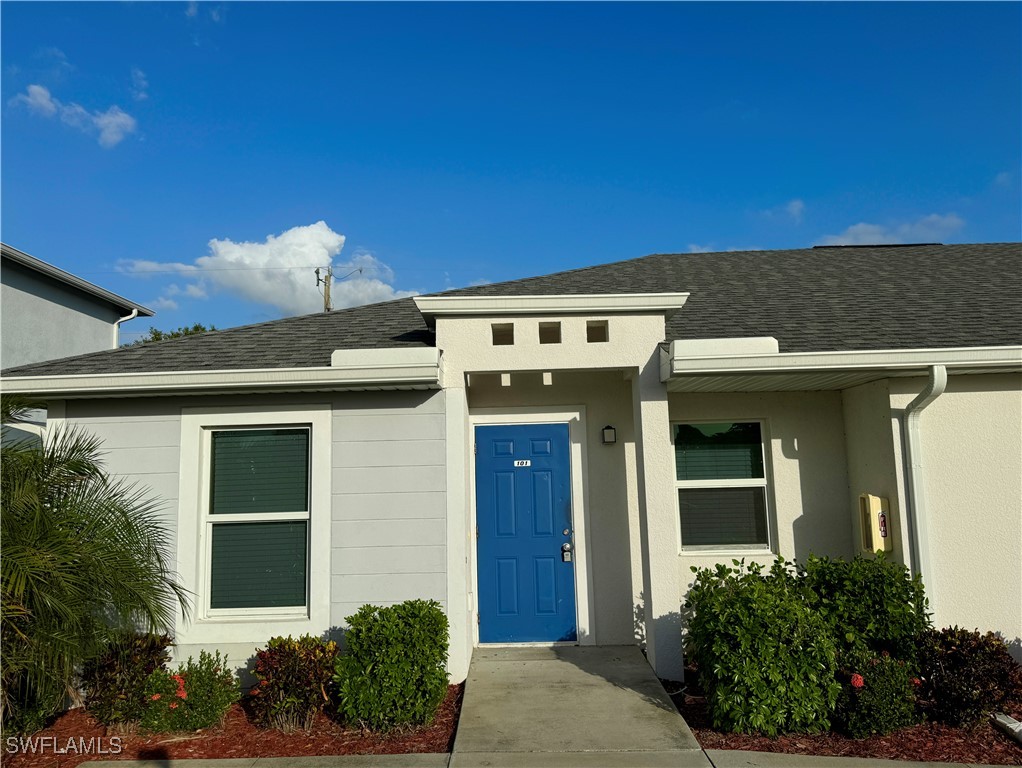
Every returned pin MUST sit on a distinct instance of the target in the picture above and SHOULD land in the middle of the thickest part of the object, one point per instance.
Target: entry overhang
(667, 304)
(682, 371)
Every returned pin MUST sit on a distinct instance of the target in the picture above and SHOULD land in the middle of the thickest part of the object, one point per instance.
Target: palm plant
(83, 556)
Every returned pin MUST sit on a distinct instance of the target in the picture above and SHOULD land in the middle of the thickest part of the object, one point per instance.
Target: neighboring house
(47, 313)
(549, 457)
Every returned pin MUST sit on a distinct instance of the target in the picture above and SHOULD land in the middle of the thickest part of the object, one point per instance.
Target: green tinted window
(259, 565)
(260, 470)
(724, 451)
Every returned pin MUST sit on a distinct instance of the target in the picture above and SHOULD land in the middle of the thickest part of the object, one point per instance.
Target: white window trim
(765, 483)
(245, 625)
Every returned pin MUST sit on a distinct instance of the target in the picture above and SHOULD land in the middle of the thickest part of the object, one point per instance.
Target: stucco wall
(872, 462)
(42, 320)
(387, 487)
(972, 465)
(613, 521)
(808, 481)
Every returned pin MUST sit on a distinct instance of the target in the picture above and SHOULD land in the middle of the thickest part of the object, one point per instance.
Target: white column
(658, 524)
(458, 576)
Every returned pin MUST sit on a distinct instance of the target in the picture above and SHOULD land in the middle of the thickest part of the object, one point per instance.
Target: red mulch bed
(238, 737)
(928, 742)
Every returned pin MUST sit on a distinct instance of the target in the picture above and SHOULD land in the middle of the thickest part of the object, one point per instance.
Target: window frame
(765, 482)
(195, 525)
(208, 520)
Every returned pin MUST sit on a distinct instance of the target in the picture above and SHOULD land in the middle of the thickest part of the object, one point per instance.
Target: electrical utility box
(875, 523)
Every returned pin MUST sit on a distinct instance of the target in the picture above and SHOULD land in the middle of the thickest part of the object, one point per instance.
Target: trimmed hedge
(766, 661)
(395, 670)
(877, 695)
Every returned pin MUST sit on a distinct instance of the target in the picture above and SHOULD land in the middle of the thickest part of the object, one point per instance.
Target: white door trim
(575, 417)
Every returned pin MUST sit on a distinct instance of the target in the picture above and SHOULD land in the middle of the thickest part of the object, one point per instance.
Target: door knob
(566, 546)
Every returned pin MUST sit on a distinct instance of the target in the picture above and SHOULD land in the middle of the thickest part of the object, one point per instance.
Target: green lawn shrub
(197, 696)
(115, 681)
(878, 695)
(871, 604)
(294, 678)
(967, 675)
(394, 672)
(766, 660)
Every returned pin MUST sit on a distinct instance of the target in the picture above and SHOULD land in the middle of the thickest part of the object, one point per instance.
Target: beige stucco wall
(626, 551)
(807, 477)
(872, 461)
(972, 465)
(607, 400)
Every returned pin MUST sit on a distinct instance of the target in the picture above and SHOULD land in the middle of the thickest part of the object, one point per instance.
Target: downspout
(117, 326)
(919, 524)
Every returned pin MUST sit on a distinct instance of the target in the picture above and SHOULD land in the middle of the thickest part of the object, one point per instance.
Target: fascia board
(412, 374)
(618, 303)
(894, 360)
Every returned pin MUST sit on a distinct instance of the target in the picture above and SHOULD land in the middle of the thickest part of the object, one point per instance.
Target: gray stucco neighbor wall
(43, 320)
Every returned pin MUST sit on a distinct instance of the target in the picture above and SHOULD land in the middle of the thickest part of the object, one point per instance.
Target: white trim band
(674, 364)
(393, 368)
(577, 304)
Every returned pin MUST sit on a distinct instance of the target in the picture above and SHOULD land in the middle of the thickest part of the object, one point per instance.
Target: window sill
(722, 552)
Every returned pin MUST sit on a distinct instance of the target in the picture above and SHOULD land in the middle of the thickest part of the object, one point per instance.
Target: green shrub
(871, 604)
(115, 681)
(766, 661)
(878, 695)
(293, 681)
(394, 672)
(197, 696)
(966, 675)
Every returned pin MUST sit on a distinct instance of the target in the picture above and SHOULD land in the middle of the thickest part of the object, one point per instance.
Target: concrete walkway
(568, 705)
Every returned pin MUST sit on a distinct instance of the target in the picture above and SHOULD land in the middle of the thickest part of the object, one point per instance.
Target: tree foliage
(83, 557)
(155, 334)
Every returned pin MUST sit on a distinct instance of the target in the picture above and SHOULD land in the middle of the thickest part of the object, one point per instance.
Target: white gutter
(675, 362)
(117, 326)
(915, 490)
(411, 368)
(562, 304)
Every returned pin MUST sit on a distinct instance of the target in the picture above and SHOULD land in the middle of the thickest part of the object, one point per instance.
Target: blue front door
(523, 509)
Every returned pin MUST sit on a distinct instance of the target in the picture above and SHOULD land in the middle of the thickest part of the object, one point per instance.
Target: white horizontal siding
(374, 561)
(389, 453)
(389, 476)
(362, 426)
(340, 611)
(396, 480)
(387, 533)
(423, 505)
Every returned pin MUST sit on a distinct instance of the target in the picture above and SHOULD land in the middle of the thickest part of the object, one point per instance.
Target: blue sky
(185, 154)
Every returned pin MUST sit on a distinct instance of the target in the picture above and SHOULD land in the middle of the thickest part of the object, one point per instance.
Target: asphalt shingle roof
(878, 297)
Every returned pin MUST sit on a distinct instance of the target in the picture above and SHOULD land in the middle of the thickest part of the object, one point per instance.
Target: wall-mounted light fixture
(609, 435)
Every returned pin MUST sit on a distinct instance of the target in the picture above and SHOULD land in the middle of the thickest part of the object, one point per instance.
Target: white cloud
(110, 126)
(38, 100)
(163, 303)
(697, 248)
(1003, 179)
(192, 9)
(280, 272)
(139, 84)
(934, 228)
(793, 209)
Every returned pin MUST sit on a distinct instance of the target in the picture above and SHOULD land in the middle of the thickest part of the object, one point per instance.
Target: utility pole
(325, 282)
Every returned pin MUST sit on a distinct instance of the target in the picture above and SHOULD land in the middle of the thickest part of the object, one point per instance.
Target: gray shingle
(809, 299)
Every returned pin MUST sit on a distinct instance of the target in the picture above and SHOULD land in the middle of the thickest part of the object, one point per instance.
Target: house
(548, 457)
(47, 313)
